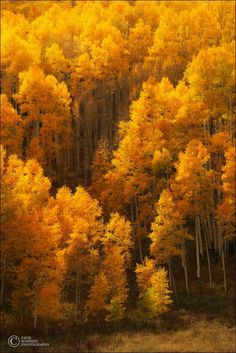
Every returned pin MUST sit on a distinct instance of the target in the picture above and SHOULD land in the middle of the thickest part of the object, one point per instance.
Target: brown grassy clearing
(197, 333)
(201, 337)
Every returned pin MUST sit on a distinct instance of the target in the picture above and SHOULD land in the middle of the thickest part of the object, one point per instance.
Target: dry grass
(196, 334)
(201, 337)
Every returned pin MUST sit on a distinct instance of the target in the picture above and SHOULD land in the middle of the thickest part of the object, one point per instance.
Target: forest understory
(118, 175)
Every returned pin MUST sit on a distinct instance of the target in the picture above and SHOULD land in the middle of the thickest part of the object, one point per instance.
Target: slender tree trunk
(200, 237)
(215, 235)
(37, 128)
(214, 223)
(170, 278)
(131, 212)
(208, 226)
(222, 256)
(138, 230)
(35, 319)
(223, 266)
(36, 310)
(28, 136)
(174, 287)
(197, 246)
(208, 260)
(78, 147)
(207, 237)
(3, 280)
(77, 293)
(132, 219)
(183, 259)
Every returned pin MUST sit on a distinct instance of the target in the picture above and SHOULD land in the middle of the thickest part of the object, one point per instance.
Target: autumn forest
(117, 160)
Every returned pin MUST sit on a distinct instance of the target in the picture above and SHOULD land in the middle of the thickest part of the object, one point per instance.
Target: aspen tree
(194, 186)
(168, 233)
(154, 293)
(11, 128)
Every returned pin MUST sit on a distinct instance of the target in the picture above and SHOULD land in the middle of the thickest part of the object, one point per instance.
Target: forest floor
(191, 332)
(201, 337)
(198, 335)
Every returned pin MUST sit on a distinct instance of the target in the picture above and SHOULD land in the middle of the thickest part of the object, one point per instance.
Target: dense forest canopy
(117, 160)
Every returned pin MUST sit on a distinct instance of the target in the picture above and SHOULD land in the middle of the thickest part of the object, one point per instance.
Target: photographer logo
(25, 341)
(14, 341)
